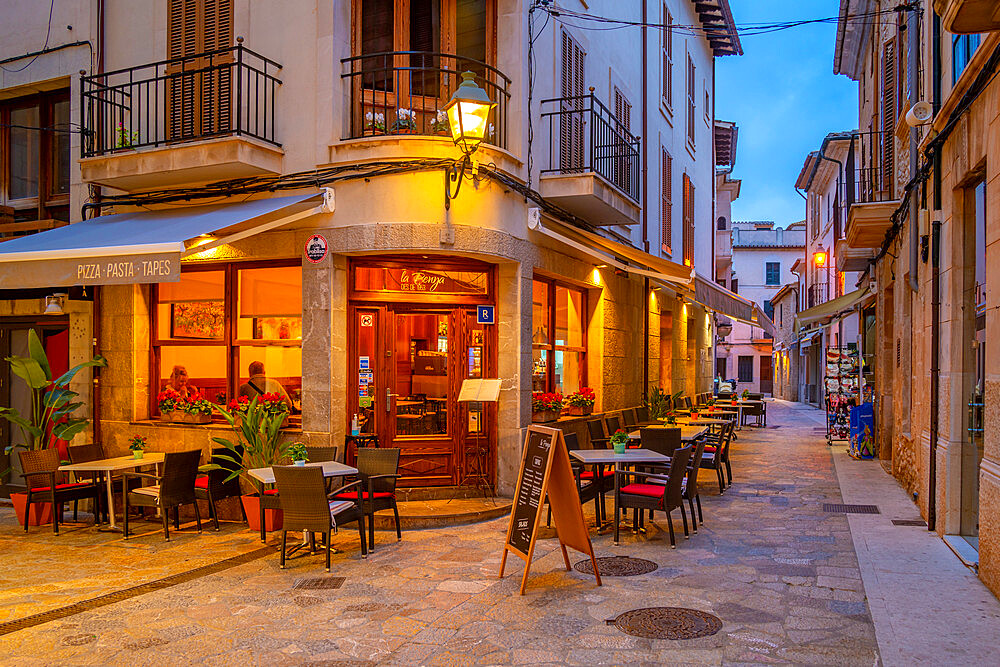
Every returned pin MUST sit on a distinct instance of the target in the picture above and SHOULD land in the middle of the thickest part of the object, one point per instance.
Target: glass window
(744, 368)
(24, 152)
(559, 360)
(772, 273)
(59, 163)
(769, 309)
(35, 156)
(262, 353)
(962, 49)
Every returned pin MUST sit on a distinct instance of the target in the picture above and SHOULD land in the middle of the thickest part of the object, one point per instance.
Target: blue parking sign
(484, 315)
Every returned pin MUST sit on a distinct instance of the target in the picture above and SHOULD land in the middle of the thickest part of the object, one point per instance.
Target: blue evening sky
(785, 98)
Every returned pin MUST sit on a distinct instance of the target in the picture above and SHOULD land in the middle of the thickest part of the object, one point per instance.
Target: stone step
(438, 513)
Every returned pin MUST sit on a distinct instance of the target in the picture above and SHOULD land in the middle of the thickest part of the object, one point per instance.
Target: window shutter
(200, 102)
(690, 100)
(666, 200)
(571, 135)
(623, 125)
(888, 112)
(688, 228)
(668, 58)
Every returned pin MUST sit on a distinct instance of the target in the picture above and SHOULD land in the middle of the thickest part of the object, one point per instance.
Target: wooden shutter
(690, 100)
(571, 121)
(688, 230)
(666, 200)
(888, 113)
(199, 103)
(621, 149)
(668, 58)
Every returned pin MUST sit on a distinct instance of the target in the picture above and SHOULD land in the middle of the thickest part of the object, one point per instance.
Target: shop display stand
(841, 384)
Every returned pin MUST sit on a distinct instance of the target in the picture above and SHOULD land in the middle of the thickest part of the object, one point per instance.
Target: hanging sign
(546, 471)
(316, 248)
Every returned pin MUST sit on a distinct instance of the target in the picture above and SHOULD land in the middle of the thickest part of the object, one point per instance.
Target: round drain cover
(617, 566)
(668, 623)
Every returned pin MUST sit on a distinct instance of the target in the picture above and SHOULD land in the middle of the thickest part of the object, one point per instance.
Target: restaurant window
(772, 273)
(744, 368)
(558, 337)
(218, 321)
(35, 156)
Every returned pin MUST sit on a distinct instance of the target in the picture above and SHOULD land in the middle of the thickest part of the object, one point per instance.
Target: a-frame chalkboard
(545, 469)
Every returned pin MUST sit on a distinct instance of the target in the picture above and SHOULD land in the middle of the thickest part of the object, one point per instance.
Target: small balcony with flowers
(181, 121)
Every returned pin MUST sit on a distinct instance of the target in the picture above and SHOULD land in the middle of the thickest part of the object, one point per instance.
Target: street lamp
(468, 112)
(819, 258)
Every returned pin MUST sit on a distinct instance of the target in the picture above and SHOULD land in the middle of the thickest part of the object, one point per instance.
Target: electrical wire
(48, 33)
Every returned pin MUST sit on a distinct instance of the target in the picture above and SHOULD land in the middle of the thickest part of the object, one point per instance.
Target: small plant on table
(619, 440)
(137, 445)
(297, 451)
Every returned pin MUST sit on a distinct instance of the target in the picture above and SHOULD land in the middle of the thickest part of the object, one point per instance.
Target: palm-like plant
(258, 442)
(52, 402)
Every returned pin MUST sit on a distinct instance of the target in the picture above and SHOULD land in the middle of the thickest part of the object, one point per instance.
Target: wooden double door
(407, 365)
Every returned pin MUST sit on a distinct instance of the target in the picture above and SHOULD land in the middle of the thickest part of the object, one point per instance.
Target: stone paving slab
(779, 572)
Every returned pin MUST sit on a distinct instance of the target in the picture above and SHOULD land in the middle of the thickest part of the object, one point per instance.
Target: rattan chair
(86, 454)
(319, 454)
(175, 487)
(691, 484)
(378, 469)
(595, 430)
(40, 469)
(586, 486)
(660, 439)
(716, 454)
(613, 423)
(643, 495)
(215, 485)
(307, 507)
(642, 416)
(628, 416)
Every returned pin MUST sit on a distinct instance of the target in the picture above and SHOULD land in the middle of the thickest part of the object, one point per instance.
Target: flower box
(543, 416)
(273, 519)
(40, 515)
(579, 410)
(181, 417)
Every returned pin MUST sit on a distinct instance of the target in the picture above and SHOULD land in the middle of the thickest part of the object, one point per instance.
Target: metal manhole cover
(667, 623)
(617, 566)
(319, 583)
(909, 522)
(839, 508)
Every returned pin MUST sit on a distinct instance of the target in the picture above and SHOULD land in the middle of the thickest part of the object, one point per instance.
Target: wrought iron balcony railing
(871, 163)
(405, 92)
(228, 91)
(585, 136)
(817, 294)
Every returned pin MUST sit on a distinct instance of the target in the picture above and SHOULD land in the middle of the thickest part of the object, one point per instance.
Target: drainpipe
(913, 62)
(645, 207)
(935, 370)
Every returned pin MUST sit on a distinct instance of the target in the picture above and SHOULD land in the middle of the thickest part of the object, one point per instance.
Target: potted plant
(545, 406)
(257, 443)
(51, 418)
(440, 123)
(619, 440)
(137, 445)
(298, 453)
(580, 402)
(271, 403)
(374, 123)
(124, 139)
(406, 122)
(195, 409)
(745, 394)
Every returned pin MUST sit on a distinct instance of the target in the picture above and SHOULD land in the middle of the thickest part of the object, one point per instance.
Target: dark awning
(141, 246)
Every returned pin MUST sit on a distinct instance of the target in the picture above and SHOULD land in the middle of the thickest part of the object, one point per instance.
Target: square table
(603, 457)
(108, 466)
(688, 433)
(266, 476)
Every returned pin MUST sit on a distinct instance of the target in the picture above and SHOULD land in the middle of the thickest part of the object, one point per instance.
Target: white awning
(142, 246)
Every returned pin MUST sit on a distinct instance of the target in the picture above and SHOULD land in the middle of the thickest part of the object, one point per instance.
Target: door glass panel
(59, 165)
(539, 367)
(539, 313)
(24, 153)
(367, 356)
(420, 356)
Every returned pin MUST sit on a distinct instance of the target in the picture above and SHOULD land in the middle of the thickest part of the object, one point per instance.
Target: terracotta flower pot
(273, 519)
(181, 417)
(41, 513)
(579, 410)
(543, 416)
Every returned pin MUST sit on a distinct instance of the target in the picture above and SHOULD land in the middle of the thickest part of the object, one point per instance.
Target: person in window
(179, 382)
(259, 384)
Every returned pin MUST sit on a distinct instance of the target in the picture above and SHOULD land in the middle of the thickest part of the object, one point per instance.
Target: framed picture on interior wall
(197, 319)
(277, 328)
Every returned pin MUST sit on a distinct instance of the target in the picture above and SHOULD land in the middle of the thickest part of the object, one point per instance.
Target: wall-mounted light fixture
(54, 304)
(468, 114)
(819, 258)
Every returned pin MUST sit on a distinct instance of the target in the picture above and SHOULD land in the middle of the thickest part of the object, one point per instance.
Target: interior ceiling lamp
(468, 115)
(819, 258)
(53, 304)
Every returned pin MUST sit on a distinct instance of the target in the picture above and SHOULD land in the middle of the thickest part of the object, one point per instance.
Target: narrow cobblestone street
(780, 573)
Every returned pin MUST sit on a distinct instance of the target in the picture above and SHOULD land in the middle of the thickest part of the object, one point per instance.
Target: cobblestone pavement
(779, 572)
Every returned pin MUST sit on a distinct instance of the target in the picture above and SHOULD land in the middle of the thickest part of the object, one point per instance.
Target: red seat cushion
(639, 489)
(271, 492)
(61, 487)
(710, 450)
(353, 495)
(589, 474)
(201, 482)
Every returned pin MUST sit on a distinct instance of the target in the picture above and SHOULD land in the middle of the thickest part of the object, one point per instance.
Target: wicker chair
(716, 455)
(215, 485)
(85, 454)
(613, 423)
(628, 416)
(665, 497)
(663, 440)
(175, 487)
(598, 438)
(39, 469)
(307, 507)
(690, 492)
(586, 487)
(378, 469)
(642, 416)
(320, 454)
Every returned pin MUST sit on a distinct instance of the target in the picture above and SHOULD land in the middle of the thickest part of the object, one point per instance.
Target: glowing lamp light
(468, 114)
(819, 258)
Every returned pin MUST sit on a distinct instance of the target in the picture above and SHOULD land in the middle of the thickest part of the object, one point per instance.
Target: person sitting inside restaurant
(259, 384)
(179, 382)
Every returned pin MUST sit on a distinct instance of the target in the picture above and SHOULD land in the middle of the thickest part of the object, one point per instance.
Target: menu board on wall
(546, 471)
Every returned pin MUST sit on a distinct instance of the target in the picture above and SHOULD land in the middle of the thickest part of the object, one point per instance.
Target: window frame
(46, 199)
(692, 103)
(767, 273)
(551, 347)
(740, 363)
(230, 342)
(667, 61)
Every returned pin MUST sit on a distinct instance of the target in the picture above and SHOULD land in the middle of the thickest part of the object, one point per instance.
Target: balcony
(199, 118)
(852, 259)
(817, 294)
(870, 189)
(592, 167)
(968, 16)
(403, 93)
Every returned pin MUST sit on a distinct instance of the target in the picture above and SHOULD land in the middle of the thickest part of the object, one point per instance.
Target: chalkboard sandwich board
(546, 470)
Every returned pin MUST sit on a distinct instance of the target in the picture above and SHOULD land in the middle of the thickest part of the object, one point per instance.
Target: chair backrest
(179, 472)
(302, 491)
(687, 402)
(217, 478)
(692, 472)
(628, 416)
(727, 437)
(35, 463)
(373, 461)
(675, 478)
(595, 429)
(642, 414)
(572, 440)
(755, 397)
(663, 440)
(85, 453)
(613, 424)
(320, 454)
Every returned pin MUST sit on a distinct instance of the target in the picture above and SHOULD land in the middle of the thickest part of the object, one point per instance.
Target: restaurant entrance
(408, 360)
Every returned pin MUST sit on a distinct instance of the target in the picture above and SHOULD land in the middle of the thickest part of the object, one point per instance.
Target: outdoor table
(603, 457)
(108, 466)
(688, 433)
(266, 476)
